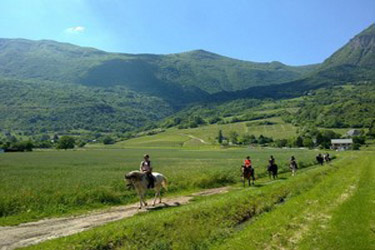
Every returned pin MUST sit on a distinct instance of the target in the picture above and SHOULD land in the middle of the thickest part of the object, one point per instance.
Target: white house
(341, 144)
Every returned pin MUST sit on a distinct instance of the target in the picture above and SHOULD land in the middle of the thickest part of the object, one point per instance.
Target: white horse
(139, 181)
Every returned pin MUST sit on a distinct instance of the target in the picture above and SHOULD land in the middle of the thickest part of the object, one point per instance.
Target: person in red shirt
(247, 162)
(248, 171)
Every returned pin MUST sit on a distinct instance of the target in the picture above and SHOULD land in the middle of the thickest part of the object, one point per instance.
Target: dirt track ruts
(35, 232)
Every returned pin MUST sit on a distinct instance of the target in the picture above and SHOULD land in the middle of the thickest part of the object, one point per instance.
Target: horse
(140, 183)
(248, 174)
(272, 171)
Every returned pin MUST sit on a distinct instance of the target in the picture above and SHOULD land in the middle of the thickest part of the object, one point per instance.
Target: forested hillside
(153, 74)
(51, 86)
(36, 107)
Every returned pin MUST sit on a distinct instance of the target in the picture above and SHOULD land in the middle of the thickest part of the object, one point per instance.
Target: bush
(356, 146)
(108, 140)
(81, 143)
(65, 142)
(21, 146)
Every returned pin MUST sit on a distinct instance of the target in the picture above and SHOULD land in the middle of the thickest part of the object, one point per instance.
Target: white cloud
(75, 29)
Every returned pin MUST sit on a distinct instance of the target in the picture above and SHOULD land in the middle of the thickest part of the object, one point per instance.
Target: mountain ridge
(166, 83)
(45, 59)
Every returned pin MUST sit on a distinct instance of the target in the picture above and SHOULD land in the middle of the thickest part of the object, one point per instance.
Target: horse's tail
(164, 183)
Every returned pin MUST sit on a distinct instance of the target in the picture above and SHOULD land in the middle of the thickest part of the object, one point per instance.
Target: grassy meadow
(205, 136)
(54, 183)
(328, 207)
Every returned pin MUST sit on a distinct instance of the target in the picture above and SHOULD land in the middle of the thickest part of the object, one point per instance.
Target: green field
(54, 183)
(205, 136)
(328, 207)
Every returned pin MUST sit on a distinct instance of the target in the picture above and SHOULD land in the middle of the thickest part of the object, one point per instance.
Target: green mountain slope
(37, 106)
(46, 85)
(193, 72)
(353, 63)
(359, 51)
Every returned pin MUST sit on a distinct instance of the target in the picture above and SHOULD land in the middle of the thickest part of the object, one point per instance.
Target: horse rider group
(323, 158)
(272, 168)
(247, 168)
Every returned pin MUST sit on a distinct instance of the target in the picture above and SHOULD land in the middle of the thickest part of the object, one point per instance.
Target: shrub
(65, 142)
(108, 140)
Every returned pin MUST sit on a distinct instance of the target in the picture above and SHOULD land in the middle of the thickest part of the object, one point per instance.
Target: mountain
(190, 76)
(47, 85)
(353, 63)
(359, 51)
(41, 106)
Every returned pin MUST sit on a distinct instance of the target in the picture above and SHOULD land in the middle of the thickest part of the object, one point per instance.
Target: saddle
(150, 180)
(247, 171)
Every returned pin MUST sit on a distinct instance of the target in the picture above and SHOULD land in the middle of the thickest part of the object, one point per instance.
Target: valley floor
(328, 207)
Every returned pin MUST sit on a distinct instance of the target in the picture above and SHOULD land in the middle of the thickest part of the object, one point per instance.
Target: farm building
(353, 132)
(341, 144)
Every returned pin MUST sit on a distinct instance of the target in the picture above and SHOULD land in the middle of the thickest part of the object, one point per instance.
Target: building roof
(342, 141)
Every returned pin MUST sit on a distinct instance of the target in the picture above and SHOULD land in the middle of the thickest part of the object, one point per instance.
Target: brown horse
(248, 174)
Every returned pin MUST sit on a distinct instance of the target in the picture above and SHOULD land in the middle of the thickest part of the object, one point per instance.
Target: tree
(65, 142)
(281, 143)
(371, 130)
(246, 139)
(220, 137)
(233, 137)
(299, 141)
(81, 143)
(264, 139)
(308, 142)
(361, 140)
(108, 140)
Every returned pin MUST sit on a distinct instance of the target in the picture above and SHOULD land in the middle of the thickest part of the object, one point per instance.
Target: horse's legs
(143, 200)
(140, 199)
(248, 182)
(156, 196)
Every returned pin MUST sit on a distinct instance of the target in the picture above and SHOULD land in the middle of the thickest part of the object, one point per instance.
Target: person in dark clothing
(320, 159)
(145, 167)
(272, 168)
(327, 158)
(293, 165)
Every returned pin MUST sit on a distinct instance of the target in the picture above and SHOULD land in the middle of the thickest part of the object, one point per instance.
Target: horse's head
(134, 176)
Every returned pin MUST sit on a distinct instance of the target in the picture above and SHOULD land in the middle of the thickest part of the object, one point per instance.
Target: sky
(295, 32)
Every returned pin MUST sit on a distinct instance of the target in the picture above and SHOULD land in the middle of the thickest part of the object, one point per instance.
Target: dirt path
(199, 139)
(35, 232)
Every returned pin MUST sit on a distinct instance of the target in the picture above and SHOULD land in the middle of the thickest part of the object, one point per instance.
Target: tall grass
(38, 184)
(195, 226)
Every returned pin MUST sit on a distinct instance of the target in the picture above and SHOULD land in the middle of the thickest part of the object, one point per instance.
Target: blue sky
(295, 32)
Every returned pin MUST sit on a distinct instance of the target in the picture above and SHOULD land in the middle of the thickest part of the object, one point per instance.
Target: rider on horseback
(146, 168)
(247, 163)
(248, 170)
(272, 168)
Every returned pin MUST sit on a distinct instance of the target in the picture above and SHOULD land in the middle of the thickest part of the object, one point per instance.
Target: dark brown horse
(248, 174)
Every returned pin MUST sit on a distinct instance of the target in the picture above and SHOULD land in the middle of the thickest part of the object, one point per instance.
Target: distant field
(39, 184)
(205, 136)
